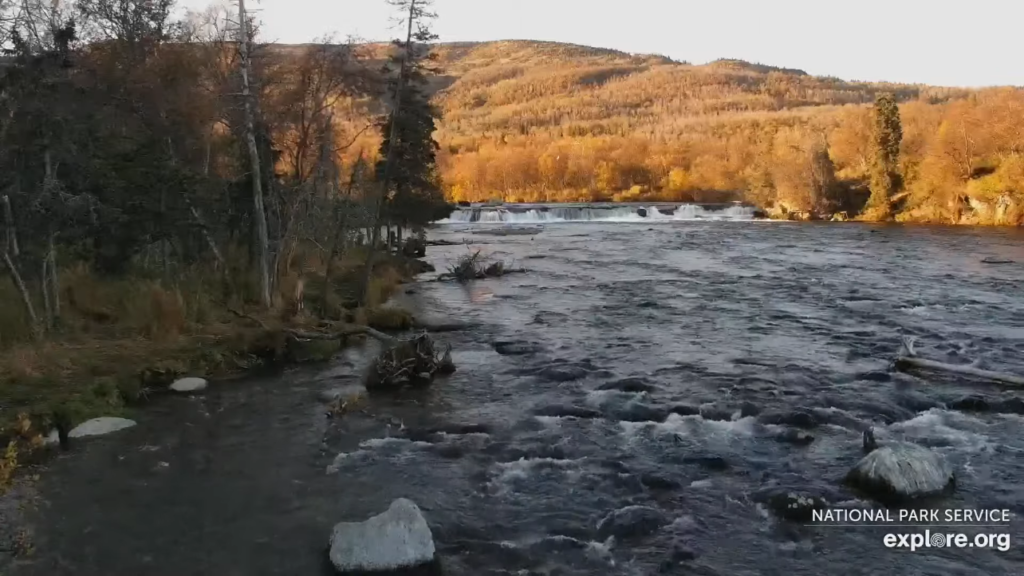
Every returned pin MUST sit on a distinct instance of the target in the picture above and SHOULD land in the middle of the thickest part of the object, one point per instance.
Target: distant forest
(539, 121)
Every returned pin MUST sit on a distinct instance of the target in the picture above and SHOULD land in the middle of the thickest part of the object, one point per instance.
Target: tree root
(907, 360)
(413, 362)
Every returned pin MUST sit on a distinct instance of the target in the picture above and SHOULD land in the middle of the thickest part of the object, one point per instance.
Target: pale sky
(941, 42)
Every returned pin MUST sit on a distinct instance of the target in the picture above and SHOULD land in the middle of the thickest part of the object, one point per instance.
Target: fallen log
(907, 360)
(439, 327)
(338, 335)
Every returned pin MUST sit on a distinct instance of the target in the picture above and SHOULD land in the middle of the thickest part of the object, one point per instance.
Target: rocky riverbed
(646, 399)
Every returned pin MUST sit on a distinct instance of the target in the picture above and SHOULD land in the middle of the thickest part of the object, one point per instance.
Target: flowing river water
(678, 366)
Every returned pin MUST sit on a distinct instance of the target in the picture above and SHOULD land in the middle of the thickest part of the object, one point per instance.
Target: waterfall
(541, 214)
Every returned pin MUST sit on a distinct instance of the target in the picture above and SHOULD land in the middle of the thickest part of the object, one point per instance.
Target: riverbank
(127, 341)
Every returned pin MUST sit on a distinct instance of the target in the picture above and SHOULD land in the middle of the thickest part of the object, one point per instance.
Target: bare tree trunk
(45, 283)
(54, 281)
(389, 159)
(206, 234)
(259, 213)
(51, 296)
(337, 247)
(37, 331)
(12, 234)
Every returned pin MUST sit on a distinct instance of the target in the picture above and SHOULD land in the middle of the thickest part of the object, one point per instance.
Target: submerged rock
(972, 403)
(684, 409)
(793, 436)
(396, 539)
(797, 418)
(673, 564)
(748, 409)
(631, 522)
(100, 426)
(790, 504)
(655, 481)
(563, 373)
(980, 403)
(633, 384)
(637, 412)
(901, 471)
(567, 411)
(516, 348)
(186, 385)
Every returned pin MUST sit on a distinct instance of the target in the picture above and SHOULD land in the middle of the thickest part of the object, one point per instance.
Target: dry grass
(389, 318)
(121, 338)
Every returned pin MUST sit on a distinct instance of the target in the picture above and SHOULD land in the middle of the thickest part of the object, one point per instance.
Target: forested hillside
(534, 121)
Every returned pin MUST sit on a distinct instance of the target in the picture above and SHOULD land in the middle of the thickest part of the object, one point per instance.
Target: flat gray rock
(902, 471)
(100, 426)
(395, 539)
(186, 385)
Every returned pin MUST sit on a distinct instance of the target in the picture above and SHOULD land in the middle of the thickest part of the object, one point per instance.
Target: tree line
(527, 121)
(137, 144)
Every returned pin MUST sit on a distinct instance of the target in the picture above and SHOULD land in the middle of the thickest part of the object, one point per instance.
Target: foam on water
(555, 214)
(946, 429)
(691, 426)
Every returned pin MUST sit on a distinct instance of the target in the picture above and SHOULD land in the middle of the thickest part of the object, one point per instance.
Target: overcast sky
(944, 42)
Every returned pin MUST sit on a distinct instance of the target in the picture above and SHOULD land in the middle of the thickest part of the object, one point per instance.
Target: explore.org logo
(929, 539)
(927, 527)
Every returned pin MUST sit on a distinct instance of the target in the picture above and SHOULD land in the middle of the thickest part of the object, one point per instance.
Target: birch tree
(255, 168)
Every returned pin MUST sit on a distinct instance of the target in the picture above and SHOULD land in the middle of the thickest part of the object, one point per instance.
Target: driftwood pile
(404, 362)
(907, 360)
(474, 266)
(414, 362)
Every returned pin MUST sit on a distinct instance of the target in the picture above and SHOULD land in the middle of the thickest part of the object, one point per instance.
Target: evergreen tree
(824, 186)
(885, 170)
(408, 168)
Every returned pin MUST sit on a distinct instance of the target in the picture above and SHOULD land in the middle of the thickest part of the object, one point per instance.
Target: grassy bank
(120, 341)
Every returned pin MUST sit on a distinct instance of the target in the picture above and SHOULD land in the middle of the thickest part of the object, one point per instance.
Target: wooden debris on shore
(412, 362)
(404, 362)
(907, 360)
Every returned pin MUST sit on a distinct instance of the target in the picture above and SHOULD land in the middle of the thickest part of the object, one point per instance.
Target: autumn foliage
(537, 121)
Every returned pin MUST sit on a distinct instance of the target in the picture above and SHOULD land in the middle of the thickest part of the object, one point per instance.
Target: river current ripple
(680, 367)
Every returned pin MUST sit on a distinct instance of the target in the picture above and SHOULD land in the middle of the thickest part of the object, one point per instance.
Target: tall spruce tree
(407, 177)
(408, 168)
(887, 134)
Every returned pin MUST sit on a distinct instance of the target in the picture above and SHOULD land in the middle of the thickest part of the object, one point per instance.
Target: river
(647, 356)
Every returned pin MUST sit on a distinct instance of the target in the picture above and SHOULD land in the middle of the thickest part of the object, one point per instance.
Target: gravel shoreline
(15, 533)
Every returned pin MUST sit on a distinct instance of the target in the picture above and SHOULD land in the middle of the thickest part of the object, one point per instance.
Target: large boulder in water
(902, 471)
(641, 212)
(397, 539)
